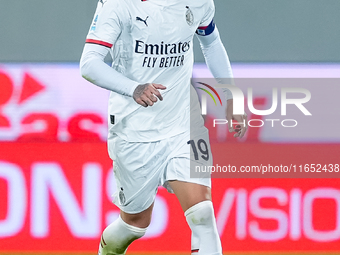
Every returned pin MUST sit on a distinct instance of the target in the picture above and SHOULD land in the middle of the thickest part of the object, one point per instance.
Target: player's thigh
(137, 175)
(189, 194)
(140, 220)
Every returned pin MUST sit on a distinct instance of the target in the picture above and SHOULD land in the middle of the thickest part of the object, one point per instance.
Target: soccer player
(150, 107)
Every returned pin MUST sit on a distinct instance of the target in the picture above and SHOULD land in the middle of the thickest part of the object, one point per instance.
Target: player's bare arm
(147, 94)
(242, 127)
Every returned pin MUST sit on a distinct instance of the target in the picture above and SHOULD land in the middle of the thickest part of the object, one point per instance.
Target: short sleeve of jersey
(107, 23)
(207, 24)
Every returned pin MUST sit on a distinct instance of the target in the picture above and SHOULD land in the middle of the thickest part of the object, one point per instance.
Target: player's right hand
(147, 94)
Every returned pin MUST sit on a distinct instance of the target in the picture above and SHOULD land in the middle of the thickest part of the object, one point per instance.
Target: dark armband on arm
(207, 30)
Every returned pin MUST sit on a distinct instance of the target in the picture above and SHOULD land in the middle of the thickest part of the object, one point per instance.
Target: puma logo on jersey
(142, 20)
(103, 1)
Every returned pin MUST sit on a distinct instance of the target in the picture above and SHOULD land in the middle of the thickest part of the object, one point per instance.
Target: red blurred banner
(56, 179)
(56, 196)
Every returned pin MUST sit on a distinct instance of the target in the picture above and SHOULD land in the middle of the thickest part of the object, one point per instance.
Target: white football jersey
(151, 41)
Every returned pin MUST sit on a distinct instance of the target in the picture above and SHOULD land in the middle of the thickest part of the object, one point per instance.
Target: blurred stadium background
(56, 178)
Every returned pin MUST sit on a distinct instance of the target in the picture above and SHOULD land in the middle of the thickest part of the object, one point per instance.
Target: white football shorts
(140, 168)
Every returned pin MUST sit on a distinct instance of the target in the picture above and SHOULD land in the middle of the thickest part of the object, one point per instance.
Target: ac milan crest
(189, 16)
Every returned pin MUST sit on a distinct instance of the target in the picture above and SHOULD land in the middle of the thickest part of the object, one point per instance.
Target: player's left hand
(242, 120)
